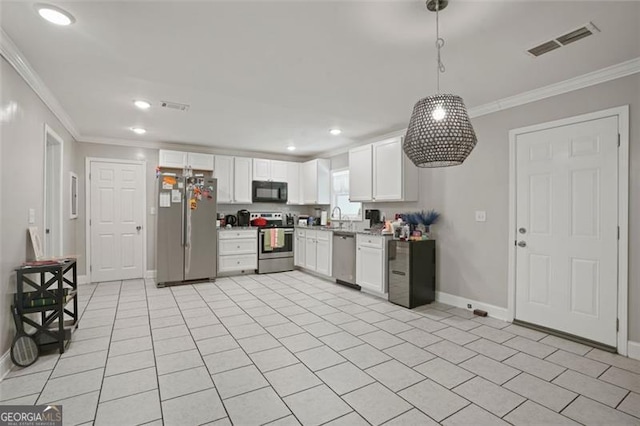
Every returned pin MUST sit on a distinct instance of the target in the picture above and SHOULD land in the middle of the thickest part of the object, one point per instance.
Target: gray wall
(21, 182)
(473, 256)
(96, 150)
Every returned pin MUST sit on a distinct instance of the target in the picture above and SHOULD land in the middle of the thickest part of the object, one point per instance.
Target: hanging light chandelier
(440, 133)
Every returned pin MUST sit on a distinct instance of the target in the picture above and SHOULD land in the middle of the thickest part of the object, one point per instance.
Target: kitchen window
(340, 196)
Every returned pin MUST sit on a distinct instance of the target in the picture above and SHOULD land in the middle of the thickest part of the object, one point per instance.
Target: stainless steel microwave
(269, 192)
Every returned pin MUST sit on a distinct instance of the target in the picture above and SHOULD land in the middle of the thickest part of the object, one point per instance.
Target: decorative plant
(427, 218)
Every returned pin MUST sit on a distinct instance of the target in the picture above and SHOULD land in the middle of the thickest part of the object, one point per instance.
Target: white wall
(21, 182)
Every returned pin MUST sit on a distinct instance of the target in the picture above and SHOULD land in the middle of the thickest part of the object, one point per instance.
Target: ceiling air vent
(576, 35)
(544, 48)
(563, 40)
(174, 105)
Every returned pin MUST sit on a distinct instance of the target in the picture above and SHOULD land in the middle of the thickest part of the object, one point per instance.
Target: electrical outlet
(481, 216)
(152, 210)
(32, 216)
(468, 305)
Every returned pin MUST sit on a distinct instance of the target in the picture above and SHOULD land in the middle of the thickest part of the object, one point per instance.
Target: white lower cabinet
(371, 262)
(237, 250)
(313, 250)
(299, 246)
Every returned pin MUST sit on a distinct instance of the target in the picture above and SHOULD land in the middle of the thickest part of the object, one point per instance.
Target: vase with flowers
(421, 222)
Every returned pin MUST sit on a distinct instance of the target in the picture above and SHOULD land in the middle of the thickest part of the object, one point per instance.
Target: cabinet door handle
(398, 273)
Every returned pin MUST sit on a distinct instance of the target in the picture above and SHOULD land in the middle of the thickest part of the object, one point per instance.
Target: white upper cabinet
(381, 172)
(172, 159)
(223, 172)
(316, 181)
(269, 170)
(294, 189)
(261, 169)
(180, 160)
(234, 179)
(360, 173)
(242, 180)
(279, 171)
(200, 161)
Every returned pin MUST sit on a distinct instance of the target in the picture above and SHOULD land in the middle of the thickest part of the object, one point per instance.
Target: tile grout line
(104, 373)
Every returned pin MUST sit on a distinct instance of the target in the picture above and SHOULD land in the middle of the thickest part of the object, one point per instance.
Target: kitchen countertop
(327, 228)
(239, 228)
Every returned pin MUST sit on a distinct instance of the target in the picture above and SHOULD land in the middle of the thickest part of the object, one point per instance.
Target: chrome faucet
(339, 215)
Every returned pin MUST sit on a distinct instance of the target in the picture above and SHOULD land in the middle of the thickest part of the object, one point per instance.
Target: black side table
(49, 296)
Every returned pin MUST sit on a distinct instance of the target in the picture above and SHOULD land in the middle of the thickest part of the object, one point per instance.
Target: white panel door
(360, 174)
(369, 268)
(567, 229)
(223, 172)
(242, 180)
(299, 248)
(116, 221)
(387, 170)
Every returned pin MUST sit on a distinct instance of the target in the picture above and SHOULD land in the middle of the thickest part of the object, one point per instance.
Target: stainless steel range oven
(274, 257)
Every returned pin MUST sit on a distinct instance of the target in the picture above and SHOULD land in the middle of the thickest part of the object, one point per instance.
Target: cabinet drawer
(237, 263)
(238, 246)
(324, 235)
(301, 232)
(371, 241)
(229, 234)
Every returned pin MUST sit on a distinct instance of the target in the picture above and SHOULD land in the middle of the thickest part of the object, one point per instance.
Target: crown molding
(603, 75)
(12, 54)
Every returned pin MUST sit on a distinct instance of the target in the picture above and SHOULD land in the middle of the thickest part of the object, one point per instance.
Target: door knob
(522, 244)
(522, 230)
(138, 228)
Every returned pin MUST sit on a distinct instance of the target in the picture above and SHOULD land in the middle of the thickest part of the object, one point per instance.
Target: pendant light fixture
(440, 133)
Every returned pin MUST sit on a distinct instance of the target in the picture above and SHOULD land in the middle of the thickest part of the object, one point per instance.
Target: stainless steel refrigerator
(187, 246)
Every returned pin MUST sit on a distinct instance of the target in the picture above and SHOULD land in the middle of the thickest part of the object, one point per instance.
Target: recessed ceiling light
(335, 132)
(142, 104)
(54, 14)
(291, 148)
(138, 130)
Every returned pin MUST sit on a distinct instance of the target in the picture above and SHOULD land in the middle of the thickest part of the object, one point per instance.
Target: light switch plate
(32, 216)
(152, 211)
(481, 216)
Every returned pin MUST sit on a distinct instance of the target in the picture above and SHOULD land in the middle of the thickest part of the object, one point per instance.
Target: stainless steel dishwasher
(344, 258)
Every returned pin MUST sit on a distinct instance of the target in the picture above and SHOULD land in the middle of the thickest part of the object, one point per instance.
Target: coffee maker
(243, 217)
(374, 217)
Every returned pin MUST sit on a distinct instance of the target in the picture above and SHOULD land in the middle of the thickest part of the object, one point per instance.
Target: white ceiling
(260, 75)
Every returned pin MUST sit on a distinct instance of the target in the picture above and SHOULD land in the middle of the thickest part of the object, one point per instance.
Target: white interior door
(567, 228)
(117, 208)
(53, 195)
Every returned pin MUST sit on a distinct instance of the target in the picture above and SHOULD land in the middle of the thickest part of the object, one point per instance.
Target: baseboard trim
(633, 350)
(5, 364)
(461, 302)
(83, 279)
(150, 274)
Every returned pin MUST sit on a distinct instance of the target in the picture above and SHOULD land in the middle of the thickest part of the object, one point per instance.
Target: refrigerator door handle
(182, 221)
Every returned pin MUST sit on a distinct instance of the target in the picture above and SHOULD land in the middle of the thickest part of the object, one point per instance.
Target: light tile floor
(291, 348)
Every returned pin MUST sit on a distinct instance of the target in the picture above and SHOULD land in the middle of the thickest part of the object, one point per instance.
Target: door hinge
(618, 232)
(89, 222)
(515, 242)
(617, 324)
(618, 139)
(90, 268)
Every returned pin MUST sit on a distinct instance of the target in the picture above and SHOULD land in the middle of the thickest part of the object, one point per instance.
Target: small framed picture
(73, 195)
(36, 243)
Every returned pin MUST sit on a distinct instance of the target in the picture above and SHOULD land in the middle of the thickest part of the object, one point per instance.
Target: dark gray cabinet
(412, 272)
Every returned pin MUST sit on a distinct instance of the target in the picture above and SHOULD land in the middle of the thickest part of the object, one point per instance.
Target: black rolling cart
(49, 290)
